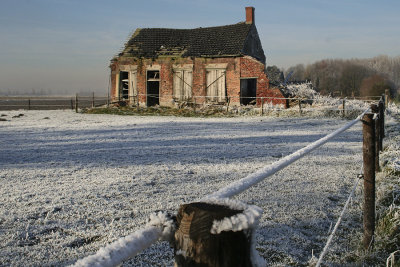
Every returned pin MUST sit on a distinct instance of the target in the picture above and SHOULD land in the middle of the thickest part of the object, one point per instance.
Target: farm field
(72, 183)
(49, 103)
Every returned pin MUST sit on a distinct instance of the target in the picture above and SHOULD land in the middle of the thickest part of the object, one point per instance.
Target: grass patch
(217, 111)
(162, 111)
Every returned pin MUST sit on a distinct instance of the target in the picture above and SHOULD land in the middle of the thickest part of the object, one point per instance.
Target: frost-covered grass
(72, 183)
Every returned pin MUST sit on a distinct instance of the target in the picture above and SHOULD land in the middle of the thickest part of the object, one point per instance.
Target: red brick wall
(166, 83)
(274, 96)
(233, 82)
(113, 93)
(251, 68)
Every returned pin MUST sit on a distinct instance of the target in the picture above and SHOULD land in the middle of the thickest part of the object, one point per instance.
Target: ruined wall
(236, 68)
(251, 68)
(113, 89)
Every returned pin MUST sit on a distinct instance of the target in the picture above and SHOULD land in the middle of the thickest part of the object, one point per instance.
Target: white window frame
(132, 80)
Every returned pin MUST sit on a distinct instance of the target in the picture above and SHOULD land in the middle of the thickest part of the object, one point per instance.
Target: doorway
(248, 91)
(153, 88)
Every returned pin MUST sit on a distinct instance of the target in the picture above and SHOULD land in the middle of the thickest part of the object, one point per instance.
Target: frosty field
(72, 183)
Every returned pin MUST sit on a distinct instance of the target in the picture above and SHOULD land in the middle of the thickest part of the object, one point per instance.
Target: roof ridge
(160, 28)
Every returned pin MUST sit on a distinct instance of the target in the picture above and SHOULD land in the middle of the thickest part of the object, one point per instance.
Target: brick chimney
(249, 15)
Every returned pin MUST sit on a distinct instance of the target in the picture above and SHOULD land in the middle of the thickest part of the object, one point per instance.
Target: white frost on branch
(162, 219)
(159, 226)
(247, 219)
(301, 90)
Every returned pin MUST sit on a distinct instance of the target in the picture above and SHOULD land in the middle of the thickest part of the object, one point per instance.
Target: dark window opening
(153, 88)
(248, 91)
(153, 75)
(124, 85)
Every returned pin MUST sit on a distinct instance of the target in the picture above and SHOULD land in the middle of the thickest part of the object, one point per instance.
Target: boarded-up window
(216, 85)
(183, 79)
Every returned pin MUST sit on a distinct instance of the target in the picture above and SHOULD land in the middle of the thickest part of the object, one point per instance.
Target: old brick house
(207, 65)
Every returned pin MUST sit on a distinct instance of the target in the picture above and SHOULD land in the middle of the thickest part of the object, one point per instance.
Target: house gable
(252, 45)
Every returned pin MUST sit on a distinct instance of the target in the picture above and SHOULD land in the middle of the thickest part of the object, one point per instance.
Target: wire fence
(276, 106)
(330, 238)
(227, 100)
(52, 103)
(346, 107)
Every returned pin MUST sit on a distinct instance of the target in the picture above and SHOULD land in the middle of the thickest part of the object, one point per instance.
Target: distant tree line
(353, 77)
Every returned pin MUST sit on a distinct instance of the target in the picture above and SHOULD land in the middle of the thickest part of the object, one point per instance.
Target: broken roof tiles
(228, 40)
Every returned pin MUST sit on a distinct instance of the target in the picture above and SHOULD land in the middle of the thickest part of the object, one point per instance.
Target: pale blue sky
(66, 45)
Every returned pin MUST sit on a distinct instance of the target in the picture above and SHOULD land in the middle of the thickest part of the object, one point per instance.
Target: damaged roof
(228, 40)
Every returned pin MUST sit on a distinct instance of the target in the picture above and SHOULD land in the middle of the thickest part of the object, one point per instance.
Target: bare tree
(345, 77)
(375, 85)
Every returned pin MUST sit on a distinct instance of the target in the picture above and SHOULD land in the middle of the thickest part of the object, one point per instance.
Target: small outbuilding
(213, 65)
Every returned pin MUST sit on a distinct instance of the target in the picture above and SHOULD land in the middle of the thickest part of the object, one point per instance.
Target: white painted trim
(127, 67)
(153, 67)
(217, 66)
(182, 66)
(117, 84)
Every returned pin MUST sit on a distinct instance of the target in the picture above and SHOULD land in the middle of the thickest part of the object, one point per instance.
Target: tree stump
(196, 246)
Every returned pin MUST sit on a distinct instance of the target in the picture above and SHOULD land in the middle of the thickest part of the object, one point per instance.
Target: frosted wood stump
(195, 245)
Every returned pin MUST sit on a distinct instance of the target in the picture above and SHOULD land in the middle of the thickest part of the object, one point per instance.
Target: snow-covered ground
(72, 183)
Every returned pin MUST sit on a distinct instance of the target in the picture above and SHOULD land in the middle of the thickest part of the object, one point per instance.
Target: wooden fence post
(382, 120)
(76, 103)
(195, 245)
(194, 104)
(29, 104)
(375, 110)
(369, 179)
(93, 100)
